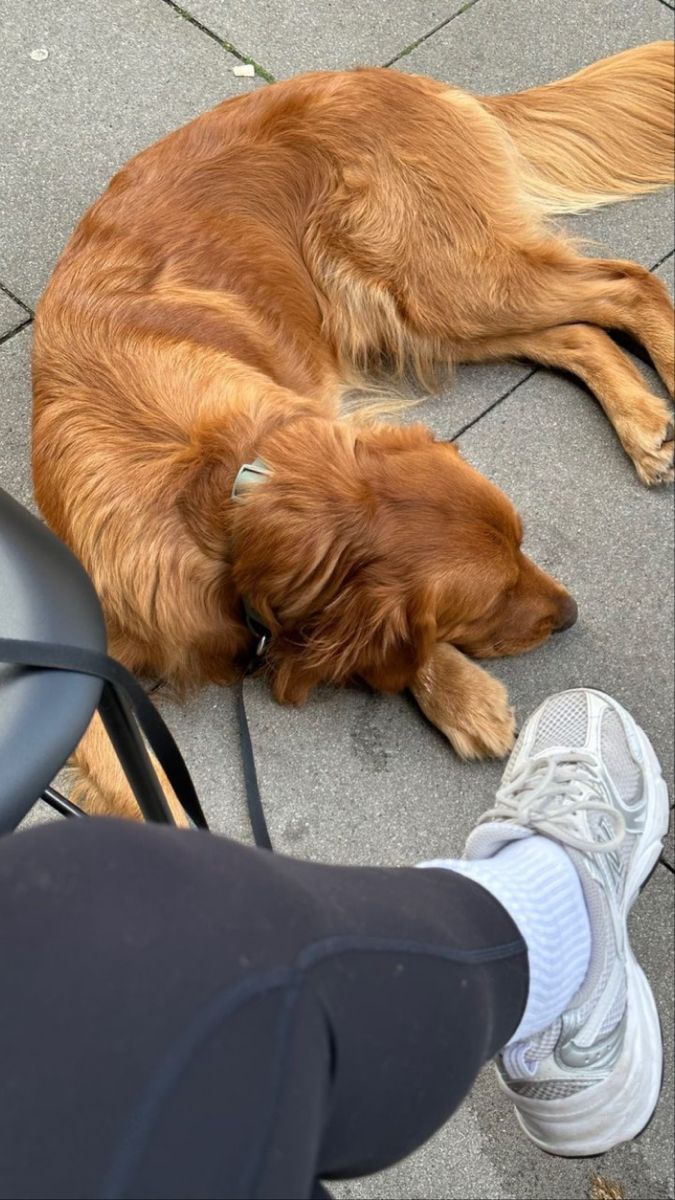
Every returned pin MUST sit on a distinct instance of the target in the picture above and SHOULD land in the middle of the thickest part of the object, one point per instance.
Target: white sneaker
(585, 775)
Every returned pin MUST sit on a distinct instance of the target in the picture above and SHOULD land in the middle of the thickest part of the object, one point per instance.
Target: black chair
(48, 603)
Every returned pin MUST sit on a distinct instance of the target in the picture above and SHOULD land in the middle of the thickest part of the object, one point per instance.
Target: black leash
(90, 662)
(254, 804)
(256, 813)
(251, 475)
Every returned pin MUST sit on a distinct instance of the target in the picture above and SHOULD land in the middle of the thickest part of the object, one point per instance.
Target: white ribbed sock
(536, 882)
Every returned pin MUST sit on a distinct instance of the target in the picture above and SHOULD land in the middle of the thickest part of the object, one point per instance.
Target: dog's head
(364, 547)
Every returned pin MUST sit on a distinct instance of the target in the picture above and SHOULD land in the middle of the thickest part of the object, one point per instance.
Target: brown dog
(214, 302)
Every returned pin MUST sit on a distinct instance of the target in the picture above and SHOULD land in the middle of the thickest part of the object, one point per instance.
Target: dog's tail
(602, 135)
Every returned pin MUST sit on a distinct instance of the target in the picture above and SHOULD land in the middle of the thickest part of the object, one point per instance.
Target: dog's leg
(642, 420)
(622, 295)
(612, 294)
(469, 706)
(100, 786)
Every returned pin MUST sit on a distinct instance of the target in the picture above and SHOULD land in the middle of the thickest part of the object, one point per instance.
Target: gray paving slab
(669, 844)
(15, 405)
(11, 314)
(207, 733)
(502, 47)
(118, 76)
(505, 47)
(464, 397)
(666, 272)
(311, 35)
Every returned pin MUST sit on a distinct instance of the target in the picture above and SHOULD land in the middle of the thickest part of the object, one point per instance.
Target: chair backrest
(45, 595)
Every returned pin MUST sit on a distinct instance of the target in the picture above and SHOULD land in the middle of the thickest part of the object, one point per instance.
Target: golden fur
(214, 303)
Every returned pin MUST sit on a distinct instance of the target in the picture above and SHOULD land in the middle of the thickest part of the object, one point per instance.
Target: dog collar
(250, 475)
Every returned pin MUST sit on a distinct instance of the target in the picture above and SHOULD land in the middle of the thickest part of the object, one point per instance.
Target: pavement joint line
(418, 42)
(504, 396)
(22, 304)
(665, 257)
(5, 337)
(667, 4)
(664, 863)
(261, 72)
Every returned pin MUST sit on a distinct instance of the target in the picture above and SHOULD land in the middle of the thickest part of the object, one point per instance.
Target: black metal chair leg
(61, 804)
(134, 758)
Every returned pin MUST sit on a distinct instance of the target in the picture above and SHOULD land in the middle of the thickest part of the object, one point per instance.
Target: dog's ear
(369, 632)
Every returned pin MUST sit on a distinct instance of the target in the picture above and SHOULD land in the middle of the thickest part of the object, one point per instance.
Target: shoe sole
(601, 1117)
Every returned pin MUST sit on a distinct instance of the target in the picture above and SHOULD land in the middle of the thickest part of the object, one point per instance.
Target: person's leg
(182, 1015)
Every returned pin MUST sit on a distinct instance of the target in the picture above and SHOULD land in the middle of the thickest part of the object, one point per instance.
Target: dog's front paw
(485, 726)
(469, 706)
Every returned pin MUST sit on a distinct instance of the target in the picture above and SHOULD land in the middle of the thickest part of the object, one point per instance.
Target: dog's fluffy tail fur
(599, 136)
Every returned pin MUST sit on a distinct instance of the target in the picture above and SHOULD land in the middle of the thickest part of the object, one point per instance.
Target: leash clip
(258, 628)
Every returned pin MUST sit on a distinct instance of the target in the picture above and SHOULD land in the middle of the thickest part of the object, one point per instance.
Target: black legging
(181, 1016)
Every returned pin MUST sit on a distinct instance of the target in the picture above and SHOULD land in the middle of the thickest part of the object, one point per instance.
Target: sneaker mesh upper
(563, 722)
(624, 772)
(548, 1089)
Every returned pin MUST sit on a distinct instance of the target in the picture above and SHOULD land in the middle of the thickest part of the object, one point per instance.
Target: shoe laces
(547, 793)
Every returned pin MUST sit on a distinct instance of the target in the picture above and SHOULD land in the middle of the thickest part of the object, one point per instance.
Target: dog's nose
(568, 614)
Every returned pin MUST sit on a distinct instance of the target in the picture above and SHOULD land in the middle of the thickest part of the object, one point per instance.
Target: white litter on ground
(244, 69)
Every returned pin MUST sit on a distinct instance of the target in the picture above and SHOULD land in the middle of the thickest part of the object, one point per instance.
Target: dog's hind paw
(653, 456)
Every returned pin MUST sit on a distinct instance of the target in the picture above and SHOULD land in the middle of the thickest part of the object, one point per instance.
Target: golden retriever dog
(234, 279)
